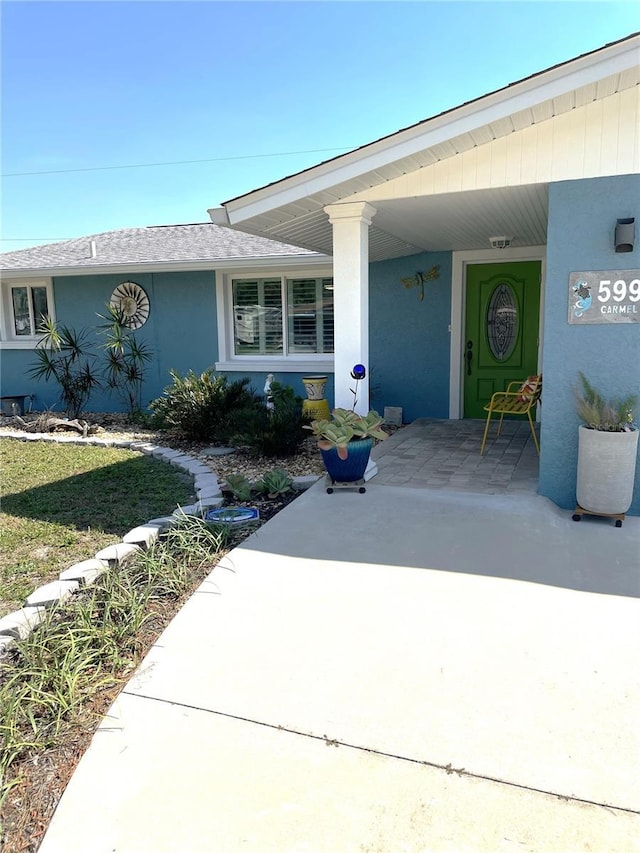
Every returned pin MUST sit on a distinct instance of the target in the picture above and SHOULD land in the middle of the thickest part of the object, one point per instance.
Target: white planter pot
(606, 470)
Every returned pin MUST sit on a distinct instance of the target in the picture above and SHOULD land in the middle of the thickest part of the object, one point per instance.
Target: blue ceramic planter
(353, 467)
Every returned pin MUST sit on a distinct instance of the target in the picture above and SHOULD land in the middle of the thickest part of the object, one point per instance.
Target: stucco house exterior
(174, 273)
(482, 245)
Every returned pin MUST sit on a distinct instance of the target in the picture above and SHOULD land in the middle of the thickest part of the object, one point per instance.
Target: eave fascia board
(219, 216)
(305, 261)
(498, 105)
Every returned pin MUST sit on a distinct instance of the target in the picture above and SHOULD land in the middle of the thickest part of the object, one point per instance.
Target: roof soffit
(446, 222)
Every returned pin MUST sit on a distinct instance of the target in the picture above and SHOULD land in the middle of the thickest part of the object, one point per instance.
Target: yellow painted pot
(314, 386)
(316, 409)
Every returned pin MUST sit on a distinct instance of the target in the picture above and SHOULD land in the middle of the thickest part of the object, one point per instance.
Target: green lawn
(61, 503)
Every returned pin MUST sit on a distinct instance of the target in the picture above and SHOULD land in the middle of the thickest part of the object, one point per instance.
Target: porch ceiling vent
(500, 242)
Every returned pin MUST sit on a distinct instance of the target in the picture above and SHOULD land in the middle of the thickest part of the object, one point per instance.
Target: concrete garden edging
(18, 624)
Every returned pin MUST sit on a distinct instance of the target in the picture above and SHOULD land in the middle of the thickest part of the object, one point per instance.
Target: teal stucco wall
(582, 219)
(181, 331)
(409, 339)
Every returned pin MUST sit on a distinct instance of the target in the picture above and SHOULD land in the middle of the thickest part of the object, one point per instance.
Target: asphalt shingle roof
(154, 244)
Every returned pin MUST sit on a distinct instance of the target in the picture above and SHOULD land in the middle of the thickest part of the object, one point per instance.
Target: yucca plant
(127, 358)
(599, 413)
(62, 354)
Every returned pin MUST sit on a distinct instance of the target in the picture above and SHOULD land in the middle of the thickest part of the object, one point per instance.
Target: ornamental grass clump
(605, 415)
(53, 683)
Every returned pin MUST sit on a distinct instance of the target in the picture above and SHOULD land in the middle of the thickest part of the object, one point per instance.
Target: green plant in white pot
(607, 452)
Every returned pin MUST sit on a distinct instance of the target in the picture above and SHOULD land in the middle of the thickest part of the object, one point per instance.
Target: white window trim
(228, 361)
(8, 338)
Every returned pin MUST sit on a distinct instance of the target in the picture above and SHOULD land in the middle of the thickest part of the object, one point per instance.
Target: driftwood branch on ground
(53, 424)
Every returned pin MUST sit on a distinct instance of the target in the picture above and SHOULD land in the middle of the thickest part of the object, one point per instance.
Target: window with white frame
(24, 305)
(281, 316)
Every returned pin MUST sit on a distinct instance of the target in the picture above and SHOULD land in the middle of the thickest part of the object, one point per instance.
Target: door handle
(469, 356)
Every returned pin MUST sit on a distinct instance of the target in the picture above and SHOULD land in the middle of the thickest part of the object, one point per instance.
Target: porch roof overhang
(292, 209)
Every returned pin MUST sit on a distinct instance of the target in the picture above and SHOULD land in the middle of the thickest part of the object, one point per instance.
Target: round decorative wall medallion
(133, 302)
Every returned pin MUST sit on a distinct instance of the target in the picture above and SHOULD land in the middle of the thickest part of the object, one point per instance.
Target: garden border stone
(52, 593)
(18, 624)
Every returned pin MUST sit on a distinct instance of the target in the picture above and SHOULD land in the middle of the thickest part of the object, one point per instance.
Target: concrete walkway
(407, 670)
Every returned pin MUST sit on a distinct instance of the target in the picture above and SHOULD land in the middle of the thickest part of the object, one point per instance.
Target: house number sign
(606, 296)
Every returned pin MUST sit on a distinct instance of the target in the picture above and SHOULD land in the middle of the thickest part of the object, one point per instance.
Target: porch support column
(351, 223)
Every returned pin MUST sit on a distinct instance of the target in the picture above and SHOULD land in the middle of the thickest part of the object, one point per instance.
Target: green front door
(501, 329)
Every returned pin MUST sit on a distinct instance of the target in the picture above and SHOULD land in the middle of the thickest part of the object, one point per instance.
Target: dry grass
(61, 503)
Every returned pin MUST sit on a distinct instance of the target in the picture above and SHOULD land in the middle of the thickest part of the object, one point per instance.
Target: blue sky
(258, 90)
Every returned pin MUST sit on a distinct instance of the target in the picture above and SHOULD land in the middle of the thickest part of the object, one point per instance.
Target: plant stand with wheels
(337, 484)
(580, 511)
(607, 454)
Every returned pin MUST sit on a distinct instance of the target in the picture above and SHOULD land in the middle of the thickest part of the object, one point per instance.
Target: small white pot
(606, 470)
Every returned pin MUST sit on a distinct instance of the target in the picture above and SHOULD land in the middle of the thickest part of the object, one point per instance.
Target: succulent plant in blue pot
(345, 441)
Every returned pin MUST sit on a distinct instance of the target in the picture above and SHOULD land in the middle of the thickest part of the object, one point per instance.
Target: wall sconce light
(500, 242)
(625, 234)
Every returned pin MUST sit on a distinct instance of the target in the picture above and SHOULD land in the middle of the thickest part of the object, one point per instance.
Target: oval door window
(502, 322)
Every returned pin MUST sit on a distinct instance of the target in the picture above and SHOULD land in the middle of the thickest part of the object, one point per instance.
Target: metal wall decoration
(502, 322)
(419, 279)
(133, 303)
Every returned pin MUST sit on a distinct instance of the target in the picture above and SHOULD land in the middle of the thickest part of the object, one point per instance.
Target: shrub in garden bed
(276, 431)
(205, 407)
